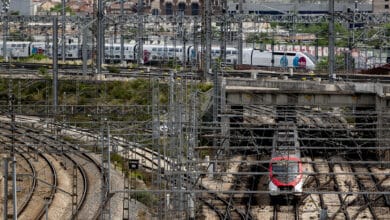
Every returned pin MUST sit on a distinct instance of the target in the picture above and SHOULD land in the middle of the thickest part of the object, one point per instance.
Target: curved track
(26, 136)
(41, 194)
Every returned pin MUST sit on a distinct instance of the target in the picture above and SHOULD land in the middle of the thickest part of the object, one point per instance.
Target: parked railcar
(16, 49)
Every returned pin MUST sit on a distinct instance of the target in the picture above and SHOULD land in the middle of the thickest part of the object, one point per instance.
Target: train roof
(285, 141)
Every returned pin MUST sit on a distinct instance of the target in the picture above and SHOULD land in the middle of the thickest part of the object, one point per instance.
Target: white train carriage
(72, 51)
(231, 54)
(158, 53)
(16, 49)
(287, 59)
(112, 52)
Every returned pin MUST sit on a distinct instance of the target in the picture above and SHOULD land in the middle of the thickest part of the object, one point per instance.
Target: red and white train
(285, 167)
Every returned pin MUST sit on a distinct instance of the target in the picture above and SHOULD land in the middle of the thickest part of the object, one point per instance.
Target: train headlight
(273, 189)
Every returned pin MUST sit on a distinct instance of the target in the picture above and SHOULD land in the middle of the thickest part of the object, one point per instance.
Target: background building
(381, 6)
(23, 7)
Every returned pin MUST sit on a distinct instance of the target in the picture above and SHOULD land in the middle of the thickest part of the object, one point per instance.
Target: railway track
(31, 69)
(42, 194)
(81, 191)
(25, 197)
(145, 155)
(81, 161)
(286, 212)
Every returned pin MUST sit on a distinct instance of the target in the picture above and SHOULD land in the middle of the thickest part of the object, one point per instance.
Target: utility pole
(63, 31)
(223, 32)
(5, 179)
(84, 50)
(331, 57)
(55, 64)
(5, 27)
(100, 37)
(239, 47)
(140, 32)
(121, 34)
(11, 104)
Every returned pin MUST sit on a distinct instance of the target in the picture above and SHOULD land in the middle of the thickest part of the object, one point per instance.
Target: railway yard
(63, 171)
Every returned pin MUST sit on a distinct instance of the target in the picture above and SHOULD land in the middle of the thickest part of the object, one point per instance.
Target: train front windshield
(311, 57)
(285, 171)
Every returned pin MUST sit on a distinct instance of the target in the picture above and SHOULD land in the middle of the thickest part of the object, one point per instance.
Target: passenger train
(285, 167)
(157, 53)
(289, 59)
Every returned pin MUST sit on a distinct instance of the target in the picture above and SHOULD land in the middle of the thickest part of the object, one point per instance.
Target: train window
(154, 49)
(160, 49)
(106, 48)
(234, 52)
(285, 170)
(171, 49)
(284, 53)
(117, 48)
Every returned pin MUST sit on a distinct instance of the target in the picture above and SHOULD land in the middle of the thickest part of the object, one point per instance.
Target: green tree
(58, 8)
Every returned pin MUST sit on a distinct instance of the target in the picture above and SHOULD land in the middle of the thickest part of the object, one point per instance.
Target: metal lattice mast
(156, 142)
(331, 57)
(105, 149)
(192, 144)
(5, 14)
(180, 156)
(206, 39)
(171, 133)
(126, 182)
